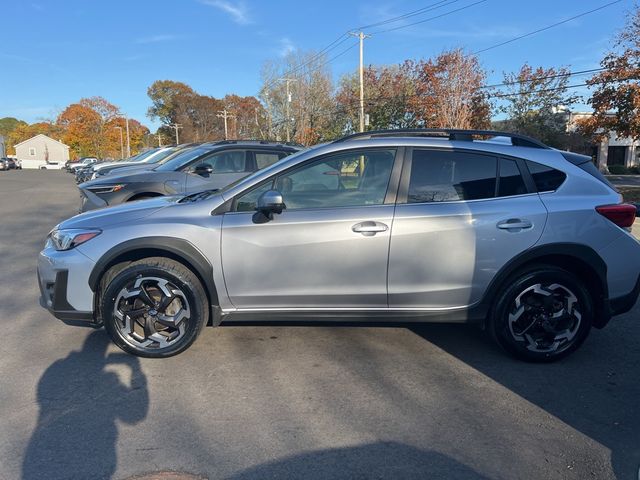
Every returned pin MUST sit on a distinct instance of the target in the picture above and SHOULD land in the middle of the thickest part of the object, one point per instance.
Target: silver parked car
(199, 167)
(448, 226)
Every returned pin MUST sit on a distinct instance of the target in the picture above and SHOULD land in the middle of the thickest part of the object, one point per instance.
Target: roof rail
(451, 134)
(261, 142)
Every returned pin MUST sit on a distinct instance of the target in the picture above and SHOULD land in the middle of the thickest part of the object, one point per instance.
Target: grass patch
(630, 194)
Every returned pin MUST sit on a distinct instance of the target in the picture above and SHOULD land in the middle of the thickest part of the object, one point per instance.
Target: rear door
(460, 217)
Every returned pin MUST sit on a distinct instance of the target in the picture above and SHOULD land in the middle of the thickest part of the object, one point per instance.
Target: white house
(40, 150)
(612, 150)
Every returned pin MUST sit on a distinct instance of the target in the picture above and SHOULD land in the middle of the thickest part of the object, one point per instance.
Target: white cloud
(156, 38)
(286, 47)
(237, 10)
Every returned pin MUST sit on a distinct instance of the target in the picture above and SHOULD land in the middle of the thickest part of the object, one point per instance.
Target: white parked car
(52, 166)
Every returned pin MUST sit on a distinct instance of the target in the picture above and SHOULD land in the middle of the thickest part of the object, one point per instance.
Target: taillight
(622, 215)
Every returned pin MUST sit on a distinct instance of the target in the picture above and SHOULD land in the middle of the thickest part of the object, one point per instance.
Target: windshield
(159, 156)
(266, 170)
(182, 158)
(141, 156)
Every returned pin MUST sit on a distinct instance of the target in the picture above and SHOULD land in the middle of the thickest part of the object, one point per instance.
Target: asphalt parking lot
(318, 402)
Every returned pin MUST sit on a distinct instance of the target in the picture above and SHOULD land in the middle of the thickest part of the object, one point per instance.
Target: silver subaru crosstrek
(430, 225)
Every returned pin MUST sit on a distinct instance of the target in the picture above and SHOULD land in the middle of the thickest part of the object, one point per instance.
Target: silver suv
(431, 225)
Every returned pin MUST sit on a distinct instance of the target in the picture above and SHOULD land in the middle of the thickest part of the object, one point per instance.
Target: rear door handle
(514, 224)
(369, 229)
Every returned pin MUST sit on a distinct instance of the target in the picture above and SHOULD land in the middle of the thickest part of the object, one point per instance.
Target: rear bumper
(624, 303)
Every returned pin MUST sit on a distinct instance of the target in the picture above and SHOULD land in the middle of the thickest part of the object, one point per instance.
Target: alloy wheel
(151, 313)
(545, 318)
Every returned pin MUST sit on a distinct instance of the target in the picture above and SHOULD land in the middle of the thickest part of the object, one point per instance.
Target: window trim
(32, 151)
(403, 190)
(390, 195)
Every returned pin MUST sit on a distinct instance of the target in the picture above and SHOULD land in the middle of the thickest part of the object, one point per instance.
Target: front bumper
(90, 201)
(64, 288)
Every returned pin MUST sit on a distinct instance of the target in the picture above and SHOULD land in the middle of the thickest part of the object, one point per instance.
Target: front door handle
(514, 224)
(369, 229)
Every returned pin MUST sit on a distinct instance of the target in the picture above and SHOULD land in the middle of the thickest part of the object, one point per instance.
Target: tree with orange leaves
(616, 98)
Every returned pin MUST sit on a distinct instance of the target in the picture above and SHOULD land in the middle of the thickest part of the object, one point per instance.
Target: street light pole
(121, 142)
(288, 106)
(361, 36)
(128, 139)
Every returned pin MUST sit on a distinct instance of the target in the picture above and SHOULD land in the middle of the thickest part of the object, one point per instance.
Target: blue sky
(54, 52)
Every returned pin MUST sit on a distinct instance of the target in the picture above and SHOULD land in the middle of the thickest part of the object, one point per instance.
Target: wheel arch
(177, 249)
(578, 259)
(141, 195)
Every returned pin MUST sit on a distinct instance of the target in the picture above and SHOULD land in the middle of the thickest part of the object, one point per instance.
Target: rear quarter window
(547, 179)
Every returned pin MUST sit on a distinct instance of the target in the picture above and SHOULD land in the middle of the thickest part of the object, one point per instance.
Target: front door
(462, 217)
(327, 250)
(226, 167)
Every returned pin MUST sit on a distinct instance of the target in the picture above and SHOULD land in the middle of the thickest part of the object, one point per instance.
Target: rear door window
(446, 176)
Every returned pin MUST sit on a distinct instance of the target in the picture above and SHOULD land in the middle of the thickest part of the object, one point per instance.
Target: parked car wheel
(544, 314)
(155, 307)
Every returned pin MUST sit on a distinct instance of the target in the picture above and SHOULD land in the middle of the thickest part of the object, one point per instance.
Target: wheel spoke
(145, 297)
(146, 323)
(545, 318)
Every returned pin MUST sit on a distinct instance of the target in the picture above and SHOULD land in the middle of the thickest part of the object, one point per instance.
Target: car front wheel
(155, 307)
(543, 314)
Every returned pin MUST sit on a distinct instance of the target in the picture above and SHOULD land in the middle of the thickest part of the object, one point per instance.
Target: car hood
(116, 178)
(126, 212)
(122, 169)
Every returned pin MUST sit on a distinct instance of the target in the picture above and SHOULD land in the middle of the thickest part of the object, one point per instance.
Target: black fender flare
(582, 253)
(178, 248)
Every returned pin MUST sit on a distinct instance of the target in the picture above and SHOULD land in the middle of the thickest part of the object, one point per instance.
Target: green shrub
(618, 170)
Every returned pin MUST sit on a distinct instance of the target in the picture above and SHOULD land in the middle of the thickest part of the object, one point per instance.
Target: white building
(2, 147)
(40, 150)
(612, 150)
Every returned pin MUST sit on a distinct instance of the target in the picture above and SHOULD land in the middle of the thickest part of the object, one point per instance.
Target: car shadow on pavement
(596, 390)
(375, 460)
(80, 402)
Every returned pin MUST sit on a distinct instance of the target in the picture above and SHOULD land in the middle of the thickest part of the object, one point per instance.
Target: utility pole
(361, 36)
(226, 115)
(288, 106)
(159, 135)
(176, 126)
(128, 139)
(121, 142)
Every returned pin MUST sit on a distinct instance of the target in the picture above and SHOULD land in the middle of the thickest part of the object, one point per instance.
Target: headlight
(69, 238)
(98, 189)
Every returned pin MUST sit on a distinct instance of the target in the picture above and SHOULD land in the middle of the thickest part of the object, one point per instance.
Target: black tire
(157, 274)
(522, 319)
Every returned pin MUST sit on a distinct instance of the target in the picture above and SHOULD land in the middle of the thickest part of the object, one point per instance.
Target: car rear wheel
(543, 314)
(155, 307)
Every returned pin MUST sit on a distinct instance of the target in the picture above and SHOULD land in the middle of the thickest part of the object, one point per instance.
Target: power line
(520, 37)
(546, 77)
(431, 18)
(345, 36)
(420, 11)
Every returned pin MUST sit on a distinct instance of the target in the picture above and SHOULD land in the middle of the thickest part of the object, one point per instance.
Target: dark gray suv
(202, 167)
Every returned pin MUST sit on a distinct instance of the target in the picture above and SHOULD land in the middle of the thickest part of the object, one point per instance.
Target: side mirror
(269, 202)
(203, 169)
